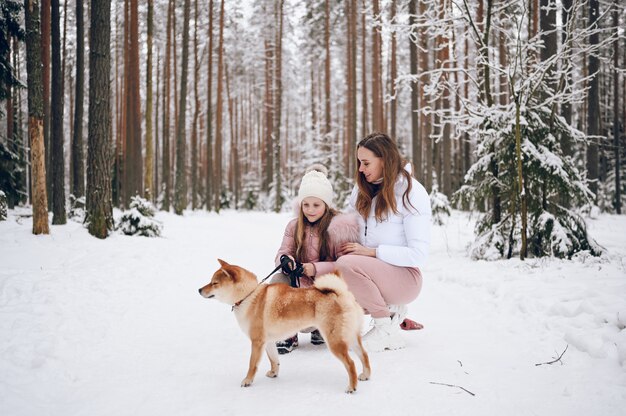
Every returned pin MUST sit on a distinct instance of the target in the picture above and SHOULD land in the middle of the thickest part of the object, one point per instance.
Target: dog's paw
(247, 382)
(364, 377)
(272, 374)
(350, 390)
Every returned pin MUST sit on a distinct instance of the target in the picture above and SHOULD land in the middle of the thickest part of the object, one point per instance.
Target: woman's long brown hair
(393, 165)
(322, 231)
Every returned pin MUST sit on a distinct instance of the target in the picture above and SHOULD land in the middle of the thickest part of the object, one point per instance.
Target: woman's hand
(356, 248)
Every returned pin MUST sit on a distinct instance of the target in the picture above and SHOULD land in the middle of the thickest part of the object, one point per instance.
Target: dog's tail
(331, 282)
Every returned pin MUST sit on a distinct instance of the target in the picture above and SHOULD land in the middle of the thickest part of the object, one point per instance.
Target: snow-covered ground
(116, 327)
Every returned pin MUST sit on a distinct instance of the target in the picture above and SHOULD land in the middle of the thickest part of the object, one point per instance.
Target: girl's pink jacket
(343, 228)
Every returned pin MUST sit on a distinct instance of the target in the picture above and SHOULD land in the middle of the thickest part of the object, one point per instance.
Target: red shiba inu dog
(272, 312)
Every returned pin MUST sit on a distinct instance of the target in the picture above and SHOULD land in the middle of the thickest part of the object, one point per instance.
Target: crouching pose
(383, 270)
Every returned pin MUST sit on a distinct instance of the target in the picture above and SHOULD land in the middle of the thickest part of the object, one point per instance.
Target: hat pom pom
(318, 167)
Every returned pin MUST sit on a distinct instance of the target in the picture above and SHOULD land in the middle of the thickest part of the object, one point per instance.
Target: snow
(116, 327)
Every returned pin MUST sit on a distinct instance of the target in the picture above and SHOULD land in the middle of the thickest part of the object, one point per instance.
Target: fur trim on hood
(344, 228)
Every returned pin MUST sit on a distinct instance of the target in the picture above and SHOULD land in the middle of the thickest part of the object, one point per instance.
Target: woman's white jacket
(401, 239)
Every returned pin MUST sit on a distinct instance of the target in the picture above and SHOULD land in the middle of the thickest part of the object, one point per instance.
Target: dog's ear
(225, 268)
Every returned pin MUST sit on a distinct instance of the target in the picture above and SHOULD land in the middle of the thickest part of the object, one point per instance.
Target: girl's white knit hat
(315, 183)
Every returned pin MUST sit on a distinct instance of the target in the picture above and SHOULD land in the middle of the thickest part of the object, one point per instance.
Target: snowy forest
(510, 109)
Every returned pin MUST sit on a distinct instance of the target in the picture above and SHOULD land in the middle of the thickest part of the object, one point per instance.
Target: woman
(383, 271)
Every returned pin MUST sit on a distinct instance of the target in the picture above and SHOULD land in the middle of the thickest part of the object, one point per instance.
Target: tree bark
(208, 188)
(351, 117)
(149, 166)
(78, 155)
(365, 125)
(58, 158)
(426, 125)
(194, 125)
(377, 83)
(35, 117)
(566, 107)
(446, 177)
(134, 162)
(165, 165)
(45, 61)
(593, 102)
(279, 100)
(181, 138)
(99, 208)
(394, 74)
(416, 144)
(218, 113)
(616, 132)
(326, 145)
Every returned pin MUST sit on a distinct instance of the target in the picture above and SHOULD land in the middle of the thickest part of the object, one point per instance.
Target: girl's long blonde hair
(393, 166)
(322, 224)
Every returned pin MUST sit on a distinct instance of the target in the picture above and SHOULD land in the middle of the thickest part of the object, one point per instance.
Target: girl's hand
(309, 269)
(358, 249)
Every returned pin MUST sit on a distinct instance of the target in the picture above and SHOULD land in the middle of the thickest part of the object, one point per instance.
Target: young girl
(383, 272)
(314, 237)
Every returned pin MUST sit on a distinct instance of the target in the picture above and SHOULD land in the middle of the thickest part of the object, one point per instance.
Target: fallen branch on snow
(453, 385)
(556, 359)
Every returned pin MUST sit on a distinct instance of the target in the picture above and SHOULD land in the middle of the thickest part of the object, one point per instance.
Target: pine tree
(519, 141)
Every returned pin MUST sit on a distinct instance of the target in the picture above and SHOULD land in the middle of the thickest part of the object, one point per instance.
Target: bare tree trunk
(365, 127)
(218, 113)
(279, 100)
(394, 75)
(99, 209)
(326, 146)
(58, 157)
(616, 132)
(120, 114)
(351, 15)
(566, 107)
(148, 185)
(520, 179)
(78, 156)
(426, 141)
(7, 88)
(194, 125)
(593, 99)
(377, 83)
(446, 177)
(502, 56)
(268, 118)
(181, 138)
(208, 188)
(134, 161)
(35, 117)
(547, 22)
(165, 165)
(45, 60)
(157, 153)
(415, 84)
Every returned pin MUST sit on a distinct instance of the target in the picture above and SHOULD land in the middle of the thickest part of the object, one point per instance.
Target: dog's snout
(200, 291)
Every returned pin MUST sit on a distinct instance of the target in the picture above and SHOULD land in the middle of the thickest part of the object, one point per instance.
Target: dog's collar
(244, 298)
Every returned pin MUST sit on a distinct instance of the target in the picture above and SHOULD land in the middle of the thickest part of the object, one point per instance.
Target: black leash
(286, 264)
